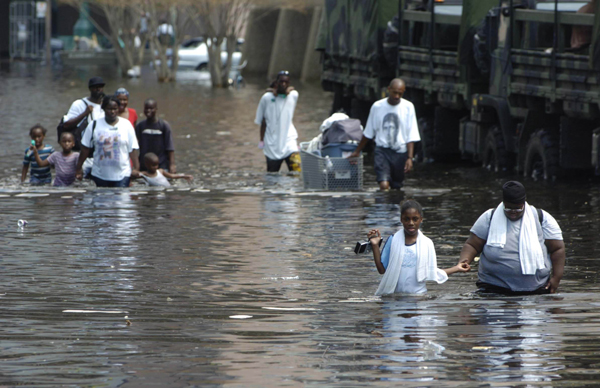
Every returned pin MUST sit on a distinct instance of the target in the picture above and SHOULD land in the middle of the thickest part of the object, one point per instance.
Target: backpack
(77, 131)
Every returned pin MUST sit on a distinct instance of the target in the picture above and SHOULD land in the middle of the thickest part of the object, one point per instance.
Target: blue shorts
(389, 166)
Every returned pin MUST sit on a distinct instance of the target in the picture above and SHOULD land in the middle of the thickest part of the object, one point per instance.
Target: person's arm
(38, 160)
(72, 123)
(176, 176)
(460, 267)
(24, 172)
(374, 238)
(359, 147)
(83, 155)
(556, 249)
(473, 246)
(410, 147)
(135, 160)
(172, 167)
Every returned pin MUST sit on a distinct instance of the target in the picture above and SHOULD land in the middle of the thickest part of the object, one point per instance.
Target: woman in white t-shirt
(114, 144)
(409, 259)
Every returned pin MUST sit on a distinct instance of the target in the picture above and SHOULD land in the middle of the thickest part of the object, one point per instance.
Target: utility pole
(48, 32)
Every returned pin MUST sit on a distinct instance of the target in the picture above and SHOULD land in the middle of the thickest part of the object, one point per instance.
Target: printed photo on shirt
(109, 149)
(390, 128)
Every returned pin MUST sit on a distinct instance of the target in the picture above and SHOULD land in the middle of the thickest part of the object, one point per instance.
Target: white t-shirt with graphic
(392, 126)
(281, 135)
(78, 107)
(112, 146)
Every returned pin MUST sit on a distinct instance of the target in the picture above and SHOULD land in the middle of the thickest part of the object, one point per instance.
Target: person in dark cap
(84, 110)
(521, 247)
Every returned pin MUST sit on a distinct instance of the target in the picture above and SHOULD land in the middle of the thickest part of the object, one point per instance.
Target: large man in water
(275, 113)
(393, 123)
(522, 249)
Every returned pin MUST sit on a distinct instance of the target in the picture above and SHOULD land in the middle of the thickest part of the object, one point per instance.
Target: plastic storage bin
(331, 173)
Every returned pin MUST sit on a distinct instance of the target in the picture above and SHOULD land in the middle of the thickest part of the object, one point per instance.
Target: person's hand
(408, 165)
(374, 236)
(79, 174)
(553, 284)
(261, 144)
(288, 90)
(462, 267)
(188, 178)
(173, 169)
(135, 174)
(89, 109)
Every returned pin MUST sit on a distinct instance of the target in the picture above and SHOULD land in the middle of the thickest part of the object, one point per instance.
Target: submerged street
(244, 279)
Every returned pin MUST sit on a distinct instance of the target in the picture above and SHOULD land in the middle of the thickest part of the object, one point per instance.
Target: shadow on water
(242, 279)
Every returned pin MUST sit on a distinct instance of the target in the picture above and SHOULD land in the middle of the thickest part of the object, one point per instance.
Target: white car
(194, 54)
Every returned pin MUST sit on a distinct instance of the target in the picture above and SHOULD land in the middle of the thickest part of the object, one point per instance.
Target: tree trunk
(215, 64)
(231, 43)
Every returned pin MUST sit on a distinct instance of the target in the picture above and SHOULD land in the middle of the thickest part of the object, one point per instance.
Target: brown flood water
(243, 280)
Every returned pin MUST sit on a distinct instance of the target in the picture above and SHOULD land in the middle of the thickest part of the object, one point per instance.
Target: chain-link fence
(27, 29)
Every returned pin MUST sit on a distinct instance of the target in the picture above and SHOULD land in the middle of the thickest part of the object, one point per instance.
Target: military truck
(351, 40)
(499, 83)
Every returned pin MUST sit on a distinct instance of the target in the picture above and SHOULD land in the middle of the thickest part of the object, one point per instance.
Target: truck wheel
(425, 146)
(541, 157)
(495, 157)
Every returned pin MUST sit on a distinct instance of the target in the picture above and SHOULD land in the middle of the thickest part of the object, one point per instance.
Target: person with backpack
(83, 111)
(521, 247)
(154, 135)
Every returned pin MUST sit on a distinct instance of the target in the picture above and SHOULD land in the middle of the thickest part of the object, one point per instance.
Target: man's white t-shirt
(112, 146)
(280, 135)
(78, 107)
(392, 126)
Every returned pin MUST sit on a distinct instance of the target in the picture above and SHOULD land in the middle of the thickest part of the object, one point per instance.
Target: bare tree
(221, 21)
(179, 15)
(124, 20)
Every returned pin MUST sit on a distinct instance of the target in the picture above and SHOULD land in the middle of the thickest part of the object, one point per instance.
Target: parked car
(193, 53)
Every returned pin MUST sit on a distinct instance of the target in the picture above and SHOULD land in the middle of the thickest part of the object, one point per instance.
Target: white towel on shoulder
(531, 254)
(426, 263)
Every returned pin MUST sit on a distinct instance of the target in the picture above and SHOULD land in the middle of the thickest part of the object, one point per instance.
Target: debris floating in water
(22, 223)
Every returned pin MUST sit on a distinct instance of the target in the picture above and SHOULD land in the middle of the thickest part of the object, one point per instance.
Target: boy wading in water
(408, 258)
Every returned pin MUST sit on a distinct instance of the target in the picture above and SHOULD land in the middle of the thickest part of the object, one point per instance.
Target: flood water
(242, 279)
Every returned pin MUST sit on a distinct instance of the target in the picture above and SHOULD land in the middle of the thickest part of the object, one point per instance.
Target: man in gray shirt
(504, 266)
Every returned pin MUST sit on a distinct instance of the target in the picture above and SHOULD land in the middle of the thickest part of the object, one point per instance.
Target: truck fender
(502, 110)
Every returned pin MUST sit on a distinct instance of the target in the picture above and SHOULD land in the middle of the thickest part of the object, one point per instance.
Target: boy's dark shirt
(154, 137)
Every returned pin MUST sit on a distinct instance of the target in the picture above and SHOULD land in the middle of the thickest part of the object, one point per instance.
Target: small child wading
(155, 176)
(64, 162)
(408, 258)
(40, 175)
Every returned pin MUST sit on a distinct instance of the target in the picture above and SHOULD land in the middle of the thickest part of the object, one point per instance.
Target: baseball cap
(94, 81)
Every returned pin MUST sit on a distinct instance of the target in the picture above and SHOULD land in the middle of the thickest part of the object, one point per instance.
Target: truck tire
(424, 148)
(495, 157)
(541, 157)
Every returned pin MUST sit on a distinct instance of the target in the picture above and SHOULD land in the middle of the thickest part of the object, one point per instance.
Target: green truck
(511, 84)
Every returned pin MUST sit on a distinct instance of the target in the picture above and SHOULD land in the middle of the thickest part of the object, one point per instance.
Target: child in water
(155, 176)
(408, 258)
(39, 175)
(64, 162)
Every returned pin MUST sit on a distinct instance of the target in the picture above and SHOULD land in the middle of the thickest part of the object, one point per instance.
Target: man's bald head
(396, 91)
(397, 82)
